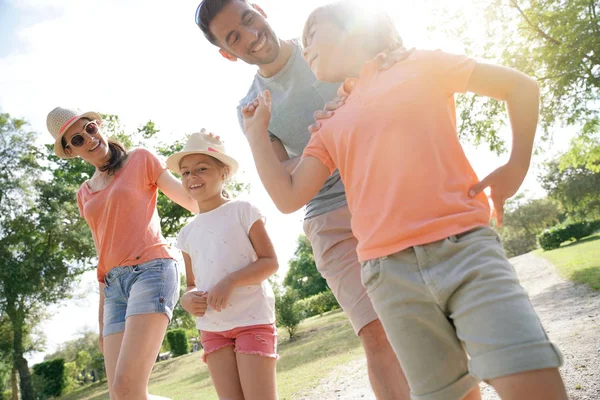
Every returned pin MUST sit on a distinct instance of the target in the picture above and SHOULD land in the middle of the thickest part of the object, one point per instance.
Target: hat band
(62, 128)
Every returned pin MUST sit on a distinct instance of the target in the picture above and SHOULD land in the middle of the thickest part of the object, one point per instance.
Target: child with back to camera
(434, 269)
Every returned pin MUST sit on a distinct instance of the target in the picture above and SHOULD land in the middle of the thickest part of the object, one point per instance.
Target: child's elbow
(287, 208)
(274, 266)
(526, 86)
(534, 86)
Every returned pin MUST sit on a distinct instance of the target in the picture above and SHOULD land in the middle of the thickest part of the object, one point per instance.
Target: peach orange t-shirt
(123, 218)
(395, 145)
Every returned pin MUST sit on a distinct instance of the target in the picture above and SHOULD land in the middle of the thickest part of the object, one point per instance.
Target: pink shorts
(254, 339)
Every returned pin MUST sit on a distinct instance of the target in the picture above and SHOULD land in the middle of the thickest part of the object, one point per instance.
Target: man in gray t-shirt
(298, 94)
(240, 31)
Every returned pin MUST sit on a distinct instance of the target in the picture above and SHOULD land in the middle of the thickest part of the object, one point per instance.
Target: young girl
(434, 270)
(228, 258)
(137, 274)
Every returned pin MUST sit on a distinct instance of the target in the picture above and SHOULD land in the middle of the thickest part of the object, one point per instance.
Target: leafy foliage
(554, 41)
(524, 221)
(318, 304)
(576, 188)
(552, 238)
(288, 311)
(86, 356)
(178, 342)
(302, 275)
(50, 376)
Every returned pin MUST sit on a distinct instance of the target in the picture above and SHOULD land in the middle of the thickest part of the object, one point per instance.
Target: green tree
(524, 220)
(288, 311)
(302, 275)
(85, 353)
(555, 41)
(584, 153)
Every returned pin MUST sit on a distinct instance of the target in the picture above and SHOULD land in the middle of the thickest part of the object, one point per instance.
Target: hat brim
(58, 147)
(174, 160)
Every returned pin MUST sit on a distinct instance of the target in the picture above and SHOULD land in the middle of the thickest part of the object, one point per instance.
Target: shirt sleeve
(181, 242)
(155, 165)
(80, 202)
(316, 148)
(452, 71)
(249, 215)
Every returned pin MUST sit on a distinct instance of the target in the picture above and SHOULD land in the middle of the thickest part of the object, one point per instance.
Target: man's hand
(503, 183)
(257, 114)
(219, 295)
(388, 60)
(195, 303)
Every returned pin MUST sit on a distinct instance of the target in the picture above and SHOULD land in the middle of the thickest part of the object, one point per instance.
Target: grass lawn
(578, 261)
(321, 344)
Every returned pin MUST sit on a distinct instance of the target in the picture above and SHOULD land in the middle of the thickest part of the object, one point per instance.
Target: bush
(49, 378)
(178, 342)
(289, 312)
(552, 238)
(318, 304)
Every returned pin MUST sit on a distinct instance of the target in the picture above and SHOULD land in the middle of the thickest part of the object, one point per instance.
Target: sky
(146, 59)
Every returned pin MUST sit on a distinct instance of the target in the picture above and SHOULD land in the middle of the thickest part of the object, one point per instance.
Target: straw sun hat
(60, 120)
(202, 143)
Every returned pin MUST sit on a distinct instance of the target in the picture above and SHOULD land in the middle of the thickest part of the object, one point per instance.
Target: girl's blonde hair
(374, 25)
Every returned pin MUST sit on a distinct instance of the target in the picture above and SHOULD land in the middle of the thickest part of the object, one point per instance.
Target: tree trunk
(14, 382)
(21, 365)
(19, 362)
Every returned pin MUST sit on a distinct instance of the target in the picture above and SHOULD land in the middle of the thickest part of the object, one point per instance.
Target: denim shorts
(148, 288)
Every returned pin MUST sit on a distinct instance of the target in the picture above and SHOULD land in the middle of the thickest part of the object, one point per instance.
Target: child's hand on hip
(219, 295)
(503, 183)
(257, 114)
(195, 303)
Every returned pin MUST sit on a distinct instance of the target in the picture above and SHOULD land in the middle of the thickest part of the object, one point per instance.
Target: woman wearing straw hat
(137, 274)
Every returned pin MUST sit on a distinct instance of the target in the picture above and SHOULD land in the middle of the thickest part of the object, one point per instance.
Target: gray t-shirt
(296, 95)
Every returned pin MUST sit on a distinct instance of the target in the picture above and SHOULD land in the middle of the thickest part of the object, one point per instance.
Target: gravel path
(569, 312)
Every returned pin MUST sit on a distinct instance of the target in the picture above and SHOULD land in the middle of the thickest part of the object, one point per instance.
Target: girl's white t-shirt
(218, 244)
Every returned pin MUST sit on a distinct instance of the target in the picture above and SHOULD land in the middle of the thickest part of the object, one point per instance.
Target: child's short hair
(352, 16)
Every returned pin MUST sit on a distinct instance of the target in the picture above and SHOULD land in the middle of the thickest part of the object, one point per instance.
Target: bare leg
(112, 348)
(386, 376)
(257, 376)
(223, 368)
(141, 343)
(541, 384)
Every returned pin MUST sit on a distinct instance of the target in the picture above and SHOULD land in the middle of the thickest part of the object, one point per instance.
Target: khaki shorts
(438, 300)
(334, 249)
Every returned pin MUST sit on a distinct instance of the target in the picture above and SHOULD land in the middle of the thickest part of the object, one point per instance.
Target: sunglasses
(91, 128)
